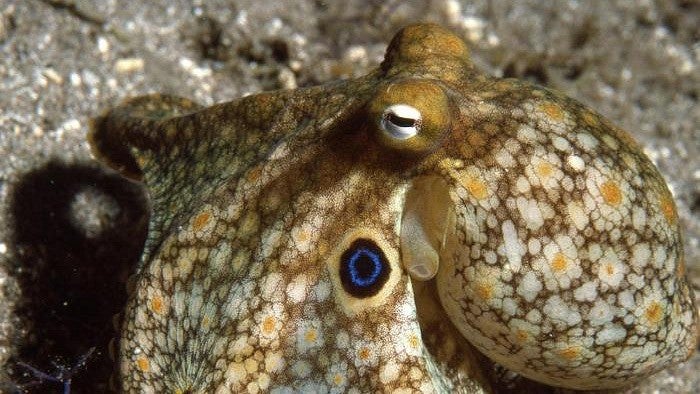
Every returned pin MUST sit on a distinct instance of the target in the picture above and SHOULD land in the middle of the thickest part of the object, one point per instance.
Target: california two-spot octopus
(365, 234)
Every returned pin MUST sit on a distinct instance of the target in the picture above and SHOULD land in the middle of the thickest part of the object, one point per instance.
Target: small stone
(129, 65)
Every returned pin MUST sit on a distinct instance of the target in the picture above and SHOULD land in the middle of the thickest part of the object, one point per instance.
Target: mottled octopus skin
(560, 255)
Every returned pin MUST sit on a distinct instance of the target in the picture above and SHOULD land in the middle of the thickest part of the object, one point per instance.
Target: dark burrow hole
(78, 232)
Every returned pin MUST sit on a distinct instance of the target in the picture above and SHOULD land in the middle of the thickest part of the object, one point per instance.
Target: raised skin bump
(553, 241)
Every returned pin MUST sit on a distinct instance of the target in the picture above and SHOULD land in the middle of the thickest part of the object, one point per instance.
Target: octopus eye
(364, 269)
(409, 116)
(401, 121)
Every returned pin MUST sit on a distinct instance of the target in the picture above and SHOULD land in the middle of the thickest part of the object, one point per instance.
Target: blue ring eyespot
(364, 268)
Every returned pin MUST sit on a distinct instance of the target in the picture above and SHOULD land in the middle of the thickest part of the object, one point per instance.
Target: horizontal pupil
(401, 122)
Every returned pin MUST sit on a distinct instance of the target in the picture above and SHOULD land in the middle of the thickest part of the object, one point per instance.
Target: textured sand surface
(70, 232)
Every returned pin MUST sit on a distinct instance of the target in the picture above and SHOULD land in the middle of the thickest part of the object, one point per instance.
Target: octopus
(370, 234)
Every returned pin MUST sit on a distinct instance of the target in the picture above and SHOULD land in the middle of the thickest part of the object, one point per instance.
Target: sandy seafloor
(71, 231)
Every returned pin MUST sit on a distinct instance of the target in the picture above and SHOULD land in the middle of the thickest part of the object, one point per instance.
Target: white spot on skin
(303, 237)
(576, 163)
(504, 158)
(534, 246)
(301, 369)
(522, 184)
(555, 308)
(342, 340)
(611, 270)
(577, 215)
(296, 290)
(534, 316)
(274, 362)
(271, 287)
(530, 212)
(529, 286)
(586, 292)
(626, 299)
(608, 334)
(389, 372)
(636, 280)
(640, 255)
(512, 245)
(510, 307)
(587, 141)
(527, 134)
(601, 313)
(560, 143)
(639, 218)
(322, 290)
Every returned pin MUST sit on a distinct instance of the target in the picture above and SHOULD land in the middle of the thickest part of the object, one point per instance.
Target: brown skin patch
(612, 195)
(254, 174)
(476, 140)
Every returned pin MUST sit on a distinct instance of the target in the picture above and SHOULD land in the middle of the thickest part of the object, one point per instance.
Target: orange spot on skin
(268, 325)
(310, 335)
(200, 221)
(206, 321)
(570, 353)
(544, 169)
(654, 312)
(337, 379)
(302, 236)
(477, 188)
(143, 364)
(254, 174)
(680, 268)
(157, 304)
(559, 263)
(668, 208)
(476, 140)
(611, 193)
(364, 353)
(521, 336)
(589, 118)
(484, 291)
(553, 111)
(609, 269)
(413, 342)
(491, 128)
